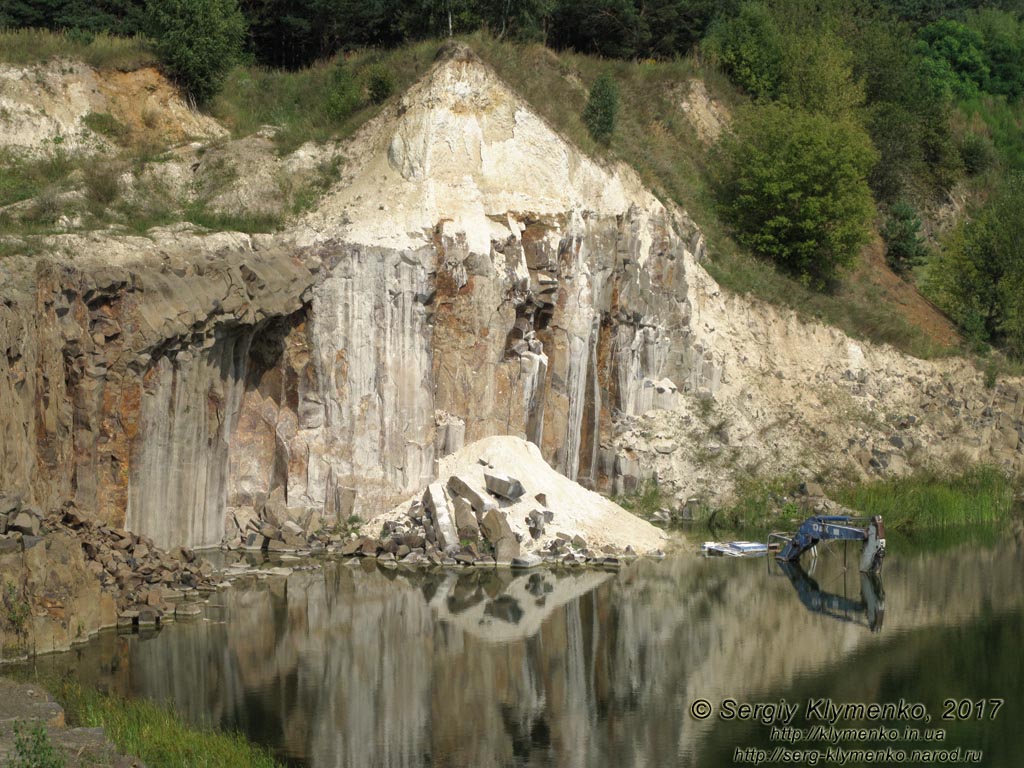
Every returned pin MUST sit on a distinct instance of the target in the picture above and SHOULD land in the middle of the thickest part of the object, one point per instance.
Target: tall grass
(930, 499)
(647, 499)
(158, 736)
(103, 51)
(296, 101)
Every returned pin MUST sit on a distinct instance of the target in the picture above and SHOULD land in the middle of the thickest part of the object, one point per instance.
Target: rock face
(473, 274)
(44, 103)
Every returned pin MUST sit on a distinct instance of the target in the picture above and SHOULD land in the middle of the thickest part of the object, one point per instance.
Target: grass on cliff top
(158, 736)
(295, 102)
(103, 51)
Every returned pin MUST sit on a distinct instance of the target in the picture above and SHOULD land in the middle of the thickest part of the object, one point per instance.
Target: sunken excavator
(836, 528)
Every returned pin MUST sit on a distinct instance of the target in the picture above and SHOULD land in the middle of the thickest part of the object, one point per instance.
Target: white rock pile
(497, 501)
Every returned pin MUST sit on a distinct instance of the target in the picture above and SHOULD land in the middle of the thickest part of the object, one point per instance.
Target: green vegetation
(644, 501)
(925, 502)
(295, 101)
(380, 84)
(102, 50)
(197, 40)
(929, 499)
(904, 246)
(107, 125)
(32, 748)
(158, 736)
(794, 185)
(978, 277)
(602, 109)
(749, 49)
(16, 610)
(761, 505)
(889, 105)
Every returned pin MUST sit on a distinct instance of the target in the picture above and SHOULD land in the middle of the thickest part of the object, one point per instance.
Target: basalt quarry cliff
(471, 274)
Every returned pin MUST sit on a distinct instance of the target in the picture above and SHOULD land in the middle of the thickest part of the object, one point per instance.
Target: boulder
(465, 520)
(24, 522)
(437, 505)
(502, 485)
(10, 503)
(370, 546)
(528, 560)
(495, 527)
(9, 544)
(275, 509)
(480, 501)
(352, 547)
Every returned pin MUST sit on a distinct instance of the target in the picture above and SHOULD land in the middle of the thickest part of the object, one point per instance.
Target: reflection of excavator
(840, 607)
(835, 528)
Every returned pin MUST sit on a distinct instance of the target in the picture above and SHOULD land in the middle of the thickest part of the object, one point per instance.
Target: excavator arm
(837, 528)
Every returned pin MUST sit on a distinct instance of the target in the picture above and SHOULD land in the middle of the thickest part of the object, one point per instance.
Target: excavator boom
(838, 528)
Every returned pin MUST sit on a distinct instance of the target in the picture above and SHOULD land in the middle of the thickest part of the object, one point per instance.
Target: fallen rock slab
(502, 485)
(462, 486)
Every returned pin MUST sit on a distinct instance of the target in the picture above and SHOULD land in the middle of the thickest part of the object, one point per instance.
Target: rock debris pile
(497, 502)
(150, 586)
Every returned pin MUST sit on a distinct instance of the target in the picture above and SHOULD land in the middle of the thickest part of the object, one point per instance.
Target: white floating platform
(734, 548)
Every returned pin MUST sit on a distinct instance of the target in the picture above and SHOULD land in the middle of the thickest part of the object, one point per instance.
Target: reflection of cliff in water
(359, 666)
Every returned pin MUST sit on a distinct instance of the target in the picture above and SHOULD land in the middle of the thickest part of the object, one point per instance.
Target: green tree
(909, 124)
(605, 27)
(602, 109)
(817, 74)
(1002, 35)
(197, 40)
(749, 49)
(954, 58)
(793, 185)
(517, 19)
(977, 278)
(904, 246)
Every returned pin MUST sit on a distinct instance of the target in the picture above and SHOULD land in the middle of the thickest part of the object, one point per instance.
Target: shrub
(793, 184)
(197, 40)
(749, 48)
(343, 94)
(602, 109)
(32, 748)
(16, 610)
(904, 247)
(107, 125)
(977, 153)
(381, 84)
(977, 278)
(102, 183)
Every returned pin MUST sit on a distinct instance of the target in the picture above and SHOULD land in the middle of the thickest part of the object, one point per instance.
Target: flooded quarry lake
(355, 664)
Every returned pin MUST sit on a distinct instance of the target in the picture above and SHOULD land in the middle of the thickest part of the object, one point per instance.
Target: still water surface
(356, 665)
